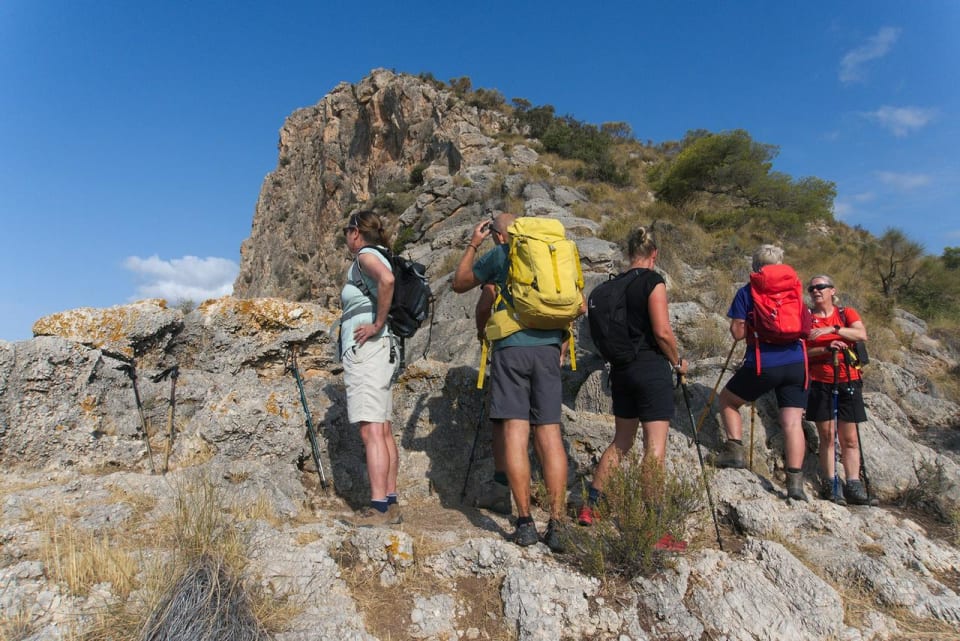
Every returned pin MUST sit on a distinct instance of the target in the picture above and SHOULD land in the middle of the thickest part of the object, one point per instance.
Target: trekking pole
(682, 381)
(836, 425)
(130, 369)
(713, 393)
(863, 471)
(753, 416)
(311, 432)
(174, 374)
(473, 452)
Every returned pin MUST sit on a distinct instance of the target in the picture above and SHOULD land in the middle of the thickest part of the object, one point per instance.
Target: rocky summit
(93, 450)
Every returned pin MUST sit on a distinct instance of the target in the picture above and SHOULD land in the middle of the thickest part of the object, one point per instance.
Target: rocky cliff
(72, 443)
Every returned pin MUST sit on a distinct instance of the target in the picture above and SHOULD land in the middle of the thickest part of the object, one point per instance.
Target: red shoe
(586, 515)
(669, 544)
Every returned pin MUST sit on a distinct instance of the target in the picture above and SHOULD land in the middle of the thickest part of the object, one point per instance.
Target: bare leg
(553, 460)
(850, 450)
(393, 457)
(625, 433)
(378, 458)
(730, 414)
(516, 432)
(795, 445)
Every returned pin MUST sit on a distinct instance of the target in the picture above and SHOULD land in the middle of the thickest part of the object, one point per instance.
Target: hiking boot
(857, 493)
(496, 498)
(731, 456)
(826, 492)
(371, 517)
(795, 486)
(586, 516)
(669, 544)
(525, 534)
(393, 510)
(554, 536)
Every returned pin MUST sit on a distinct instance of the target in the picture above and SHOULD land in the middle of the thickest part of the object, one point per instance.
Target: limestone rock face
(351, 146)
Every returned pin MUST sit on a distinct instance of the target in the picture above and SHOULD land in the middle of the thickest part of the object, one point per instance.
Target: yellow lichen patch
(394, 549)
(265, 314)
(274, 408)
(88, 404)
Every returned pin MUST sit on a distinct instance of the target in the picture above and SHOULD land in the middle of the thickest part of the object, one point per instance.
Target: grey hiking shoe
(555, 535)
(731, 456)
(496, 498)
(857, 493)
(826, 491)
(525, 534)
(795, 486)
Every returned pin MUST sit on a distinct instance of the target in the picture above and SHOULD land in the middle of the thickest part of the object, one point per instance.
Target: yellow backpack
(544, 280)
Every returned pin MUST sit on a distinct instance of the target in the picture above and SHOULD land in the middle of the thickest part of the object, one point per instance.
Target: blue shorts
(525, 384)
(787, 380)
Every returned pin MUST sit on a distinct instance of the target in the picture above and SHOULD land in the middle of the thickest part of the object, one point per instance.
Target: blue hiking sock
(594, 495)
(501, 478)
(380, 505)
(391, 498)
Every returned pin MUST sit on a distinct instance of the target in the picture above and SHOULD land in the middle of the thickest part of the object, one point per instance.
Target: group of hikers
(814, 372)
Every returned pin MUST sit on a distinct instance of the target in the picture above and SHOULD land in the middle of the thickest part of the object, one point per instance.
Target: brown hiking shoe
(495, 498)
(393, 511)
(731, 455)
(371, 517)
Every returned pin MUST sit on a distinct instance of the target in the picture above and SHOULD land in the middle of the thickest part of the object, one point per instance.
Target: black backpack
(607, 314)
(411, 294)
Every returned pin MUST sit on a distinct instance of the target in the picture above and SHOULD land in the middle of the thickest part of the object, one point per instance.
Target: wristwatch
(836, 329)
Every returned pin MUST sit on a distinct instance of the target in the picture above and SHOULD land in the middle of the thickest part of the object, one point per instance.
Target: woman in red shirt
(835, 330)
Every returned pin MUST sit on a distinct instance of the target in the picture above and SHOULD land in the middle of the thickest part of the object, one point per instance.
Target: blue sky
(134, 136)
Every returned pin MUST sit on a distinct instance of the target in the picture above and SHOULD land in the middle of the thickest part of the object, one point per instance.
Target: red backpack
(779, 314)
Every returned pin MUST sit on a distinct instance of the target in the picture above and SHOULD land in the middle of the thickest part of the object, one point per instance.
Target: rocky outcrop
(71, 439)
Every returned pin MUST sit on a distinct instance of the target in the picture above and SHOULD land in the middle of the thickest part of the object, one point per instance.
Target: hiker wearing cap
(642, 388)
(369, 362)
(772, 362)
(834, 333)
(526, 390)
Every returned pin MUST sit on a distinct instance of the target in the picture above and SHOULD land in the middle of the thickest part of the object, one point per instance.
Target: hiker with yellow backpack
(540, 293)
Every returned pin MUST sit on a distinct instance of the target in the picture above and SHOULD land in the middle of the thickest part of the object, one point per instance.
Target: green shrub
(642, 502)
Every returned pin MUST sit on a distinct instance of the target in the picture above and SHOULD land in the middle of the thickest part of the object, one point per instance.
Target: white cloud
(902, 120)
(902, 181)
(187, 278)
(877, 46)
(841, 210)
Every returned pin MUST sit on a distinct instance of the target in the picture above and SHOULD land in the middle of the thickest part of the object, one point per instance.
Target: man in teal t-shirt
(525, 389)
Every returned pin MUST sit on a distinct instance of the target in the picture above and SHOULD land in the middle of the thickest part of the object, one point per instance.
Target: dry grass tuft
(81, 559)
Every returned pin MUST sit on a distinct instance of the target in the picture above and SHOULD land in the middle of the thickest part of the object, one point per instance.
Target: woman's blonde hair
(767, 255)
(640, 243)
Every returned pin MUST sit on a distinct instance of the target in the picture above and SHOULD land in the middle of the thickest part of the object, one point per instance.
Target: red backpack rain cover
(779, 314)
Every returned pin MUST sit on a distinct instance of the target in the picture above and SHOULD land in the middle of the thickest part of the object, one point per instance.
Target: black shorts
(849, 402)
(643, 389)
(787, 380)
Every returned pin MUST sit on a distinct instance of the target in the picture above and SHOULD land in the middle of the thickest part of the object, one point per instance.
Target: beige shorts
(367, 373)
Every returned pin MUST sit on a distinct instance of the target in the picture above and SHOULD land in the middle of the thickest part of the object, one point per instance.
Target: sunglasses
(348, 228)
(819, 287)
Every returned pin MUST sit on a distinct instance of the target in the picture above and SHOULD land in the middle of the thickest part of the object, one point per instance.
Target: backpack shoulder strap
(843, 315)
